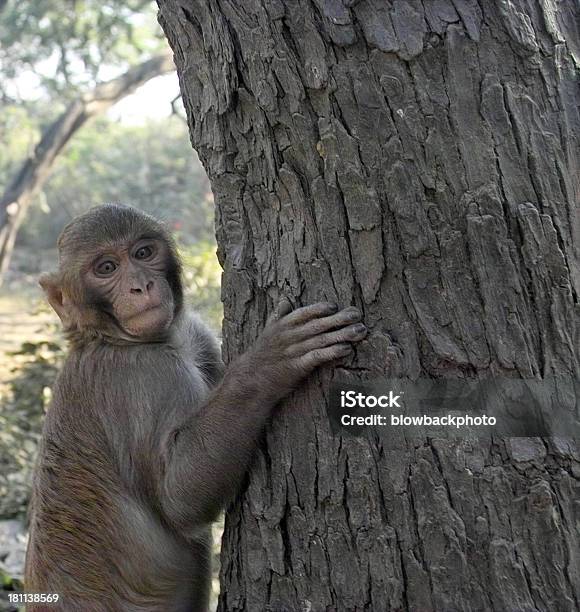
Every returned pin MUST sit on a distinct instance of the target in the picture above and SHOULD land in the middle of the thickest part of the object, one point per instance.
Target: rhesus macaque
(146, 438)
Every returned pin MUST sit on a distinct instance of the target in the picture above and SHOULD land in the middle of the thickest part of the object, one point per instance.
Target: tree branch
(35, 170)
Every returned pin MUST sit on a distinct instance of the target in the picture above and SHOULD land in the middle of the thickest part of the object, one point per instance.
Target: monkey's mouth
(151, 307)
(149, 321)
(145, 310)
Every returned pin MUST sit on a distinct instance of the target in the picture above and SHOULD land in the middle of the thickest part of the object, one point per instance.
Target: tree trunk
(36, 169)
(421, 161)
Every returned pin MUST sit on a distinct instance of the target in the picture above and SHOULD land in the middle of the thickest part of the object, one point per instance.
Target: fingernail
(333, 306)
(360, 328)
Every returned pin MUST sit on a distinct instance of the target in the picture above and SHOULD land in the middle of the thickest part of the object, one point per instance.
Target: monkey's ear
(52, 285)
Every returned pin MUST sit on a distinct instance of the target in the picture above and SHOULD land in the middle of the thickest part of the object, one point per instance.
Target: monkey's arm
(207, 457)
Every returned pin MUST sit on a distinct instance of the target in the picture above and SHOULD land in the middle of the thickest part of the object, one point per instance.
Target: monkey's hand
(294, 343)
(211, 451)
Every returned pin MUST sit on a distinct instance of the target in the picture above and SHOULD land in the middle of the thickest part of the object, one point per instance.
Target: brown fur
(142, 444)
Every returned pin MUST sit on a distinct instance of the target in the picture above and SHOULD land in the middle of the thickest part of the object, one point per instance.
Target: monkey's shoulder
(198, 344)
(120, 382)
(127, 380)
(114, 403)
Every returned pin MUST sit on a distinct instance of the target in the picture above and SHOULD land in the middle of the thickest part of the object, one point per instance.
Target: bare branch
(175, 109)
(36, 169)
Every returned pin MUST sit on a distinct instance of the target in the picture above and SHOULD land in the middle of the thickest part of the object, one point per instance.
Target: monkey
(148, 435)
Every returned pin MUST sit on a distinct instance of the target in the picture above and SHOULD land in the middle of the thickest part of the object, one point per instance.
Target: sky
(151, 101)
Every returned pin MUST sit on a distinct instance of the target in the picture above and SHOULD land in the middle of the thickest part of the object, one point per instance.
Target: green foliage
(37, 364)
(19, 134)
(151, 166)
(71, 44)
(31, 386)
(7, 583)
(202, 277)
(5, 580)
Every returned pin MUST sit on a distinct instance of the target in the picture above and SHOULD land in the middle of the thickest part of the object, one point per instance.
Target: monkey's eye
(143, 252)
(106, 268)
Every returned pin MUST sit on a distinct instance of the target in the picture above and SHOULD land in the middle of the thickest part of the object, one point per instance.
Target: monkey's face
(129, 282)
(119, 276)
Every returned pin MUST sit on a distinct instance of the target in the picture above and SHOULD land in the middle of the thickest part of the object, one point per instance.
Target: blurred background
(90, 113)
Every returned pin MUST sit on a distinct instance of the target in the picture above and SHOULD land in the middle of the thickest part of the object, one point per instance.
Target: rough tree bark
(419, 160)
(36, 169)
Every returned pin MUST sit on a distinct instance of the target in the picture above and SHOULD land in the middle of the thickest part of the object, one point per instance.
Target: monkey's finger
(345, 317)
(307, 313)
(283, 308)
(353, 333)
(323, 355)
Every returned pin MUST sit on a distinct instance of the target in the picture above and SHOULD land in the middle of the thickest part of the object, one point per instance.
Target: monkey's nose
(142, 288)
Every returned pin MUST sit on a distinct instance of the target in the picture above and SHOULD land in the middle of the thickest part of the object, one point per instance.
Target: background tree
(419, 160)
(63, 54)
(149, 165)
(53, 55)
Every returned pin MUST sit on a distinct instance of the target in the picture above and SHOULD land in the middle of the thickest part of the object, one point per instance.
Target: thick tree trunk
(419, 160)
(36, 169)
